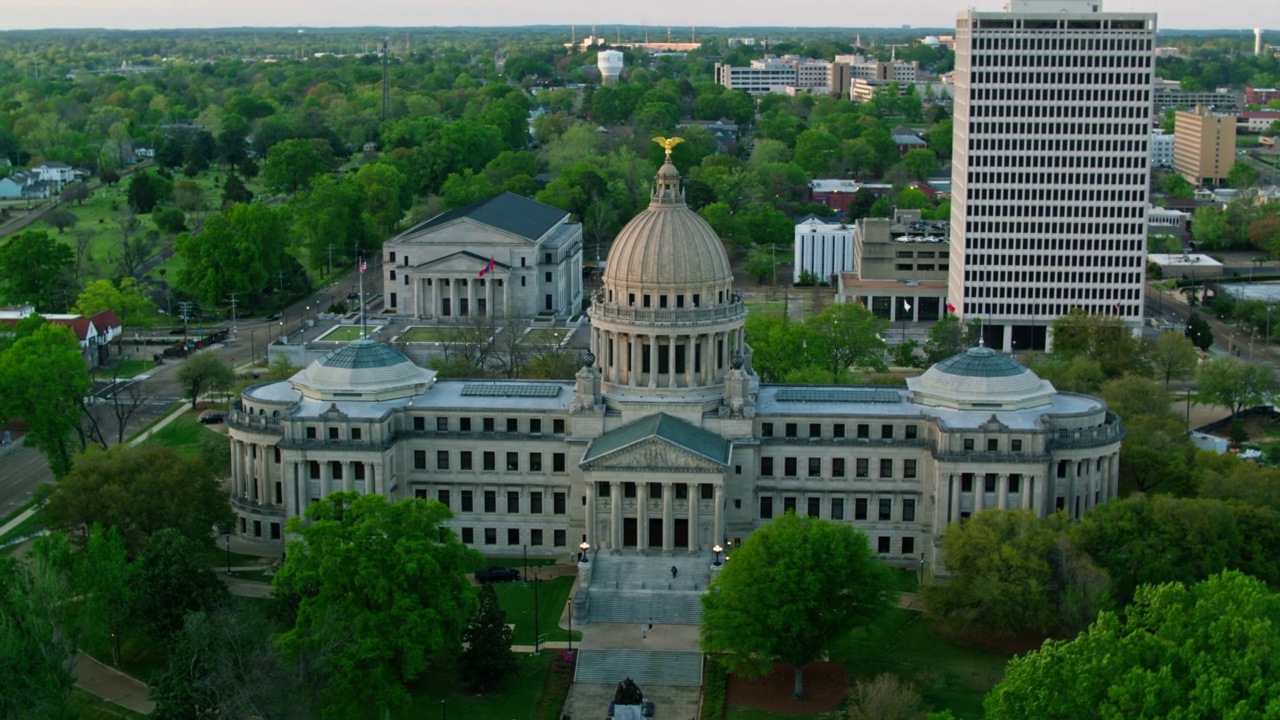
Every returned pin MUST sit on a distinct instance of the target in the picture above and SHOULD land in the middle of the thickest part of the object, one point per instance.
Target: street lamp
(535, 611)
(281, 337)
(584, 547)
(717, 550)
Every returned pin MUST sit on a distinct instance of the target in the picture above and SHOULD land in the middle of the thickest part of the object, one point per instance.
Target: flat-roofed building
(1204, 146)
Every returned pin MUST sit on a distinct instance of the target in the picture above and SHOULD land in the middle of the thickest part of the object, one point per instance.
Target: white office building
(1051, 165)
(823, 248)
(1161, 149)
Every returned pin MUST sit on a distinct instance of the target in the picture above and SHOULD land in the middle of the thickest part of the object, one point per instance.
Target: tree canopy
(794, 587)
(43, 381)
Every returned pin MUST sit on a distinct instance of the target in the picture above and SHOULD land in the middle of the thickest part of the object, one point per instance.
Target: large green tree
(331, 224)
(291, 164)
(487, 659)
(795, 587)
(1200, 651)
(382, 584)
(851, 337)
(139, 490)
(1173, 357)
(35, 269)
(170, 578)
(204, 372)
(128, 301)
(43, 381)
(1236, 385)
(239, 251)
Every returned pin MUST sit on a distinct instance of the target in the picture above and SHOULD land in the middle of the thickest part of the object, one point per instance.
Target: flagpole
(361, 299)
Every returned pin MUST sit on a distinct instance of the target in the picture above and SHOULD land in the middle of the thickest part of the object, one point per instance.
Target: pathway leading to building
(112, 685)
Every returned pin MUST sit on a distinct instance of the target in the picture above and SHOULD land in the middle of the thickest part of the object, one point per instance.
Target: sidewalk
(112, 685)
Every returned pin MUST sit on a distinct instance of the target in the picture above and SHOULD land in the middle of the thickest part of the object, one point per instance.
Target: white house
(54, 172)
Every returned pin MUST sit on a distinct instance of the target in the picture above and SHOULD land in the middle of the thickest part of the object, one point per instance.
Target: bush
(885, 698)
(714, 684)
(556, 691)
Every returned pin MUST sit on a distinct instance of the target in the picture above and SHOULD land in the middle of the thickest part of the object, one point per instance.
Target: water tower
(1257, 41)
(610, 64)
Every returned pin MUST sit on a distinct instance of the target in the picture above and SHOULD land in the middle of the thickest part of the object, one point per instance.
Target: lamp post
(526, 562)
(584, 547)
(228, 553)
(281, 338)
(717, 550)
(535, 611)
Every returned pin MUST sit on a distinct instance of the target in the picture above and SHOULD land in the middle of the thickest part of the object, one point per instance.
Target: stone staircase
(646, 667)
(631, 589)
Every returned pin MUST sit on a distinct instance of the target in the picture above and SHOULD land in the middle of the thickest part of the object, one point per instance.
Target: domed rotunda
(667, 324)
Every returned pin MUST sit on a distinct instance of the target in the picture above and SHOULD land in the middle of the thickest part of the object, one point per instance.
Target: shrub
(714, 684)
(556, 691)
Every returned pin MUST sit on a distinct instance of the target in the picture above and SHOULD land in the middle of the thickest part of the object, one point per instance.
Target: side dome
(362, 370)
(980, 379)
(667, 248)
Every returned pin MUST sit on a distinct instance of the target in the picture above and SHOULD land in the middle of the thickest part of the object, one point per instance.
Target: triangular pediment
(464, 229)
(653, 455)
(460, 262)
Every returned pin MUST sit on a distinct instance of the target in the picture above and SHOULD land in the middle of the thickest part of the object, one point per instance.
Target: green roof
(673, 430)
(508, 212)
(980, 362)
(363, 353)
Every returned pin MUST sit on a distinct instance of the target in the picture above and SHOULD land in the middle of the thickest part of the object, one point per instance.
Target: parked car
(273, 316)
(213, 419)
(497, 574)
(353, 295)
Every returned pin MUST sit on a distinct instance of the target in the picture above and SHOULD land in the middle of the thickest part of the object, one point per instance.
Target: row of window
(1099, 150)
(1049, 310)
(1056, 44)
(468, 537)
(487, 425)
(664, 301)
(1057, 95)
(884, 508)
(489, 498)
(489, 461)
(1060, 232)
(1061, 60)
(923, 267)
(1135, 211)
(1037, 129)
(1060, 293)
(1043, 156)
(861, 467)
(861, 430)
(1123, 193)
(706, 491)
(1093, 245)
(923, 254)
(1069, 77)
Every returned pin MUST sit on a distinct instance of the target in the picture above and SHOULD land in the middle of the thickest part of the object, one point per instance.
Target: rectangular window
(468, 535)
(908, 546)
(837, 431)
(419, 423)
(490, 460)
(333, 433)
(708, 491)
(464, 460)
(513, 425)
(443, 497)
(488, 425)
(628, 489)
(886, 468)
(603, 489)
(815, 467)
(766, 430)
(311, 432)
(861, 467)
(1015, 483)
(908, 510)
(882, 544)
(682, 491)
(655, 491)
(513, 462)
(909, 468)
(966, 482)
(766, 508)
(864, 430)
(993, 445)
(513, 536)
(886, 432)
(467, 504)
(813, 507)
(789, 467)
(535, 537)
(535, 426)
(464, 424)
(837, 467)
(442, 424)
(815, 430)
(559, 538)
(535, 503)
(766, 467)
(968, 445)
(419, 459)
(1015, 446)
(491, 536)
(355, 434)
(442, 459)
(886, 509)
(910, 432)
(491, 501)
(791, 430)
(557, 426)
(557, 462)
(989, 482)
(837, 508)
(558, 501)
(513, 501)
(789, 504)
(860, 509)
(535, 462)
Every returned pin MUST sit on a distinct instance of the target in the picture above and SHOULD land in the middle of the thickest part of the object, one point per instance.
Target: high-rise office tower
(1051, 167)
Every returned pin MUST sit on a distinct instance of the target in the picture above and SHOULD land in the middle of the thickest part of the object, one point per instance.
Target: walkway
(112, 685)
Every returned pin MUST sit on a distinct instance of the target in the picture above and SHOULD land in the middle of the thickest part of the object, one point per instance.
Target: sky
(679, 14)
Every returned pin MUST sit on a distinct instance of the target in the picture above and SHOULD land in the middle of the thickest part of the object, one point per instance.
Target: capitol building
(666, 442)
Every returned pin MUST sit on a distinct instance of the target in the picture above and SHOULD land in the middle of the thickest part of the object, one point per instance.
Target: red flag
(951, 308)
(488, 268)
(364, 265)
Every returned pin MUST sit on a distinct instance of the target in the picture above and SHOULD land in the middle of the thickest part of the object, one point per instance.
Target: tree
(60, 218)
(761, 264)
(384, 201)
(1210, 229)
(139, 490)
(947, 337)
(1234, 384)
(203, 372)
(76, 192)
(35, 270)
(330, 223)
(1102, 338)
(239, 252)
(188, 196)
(851, 334)
(1199, 331)
(129, 301)
(795, 587)
(169, 220)
(234, 191)
(291, 164)
(144, 192)
(1154, 453)
(885, 698)
(1242, 175)
(170, 578)
(43, 380)
(1132, 395)
(383, 584)
(1011, 572)
(920, 163)
(1175, 652)
(466, 188)
(488, 659)
(1173, 356)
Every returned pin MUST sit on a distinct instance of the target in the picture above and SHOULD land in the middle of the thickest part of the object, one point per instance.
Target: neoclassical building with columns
(666, 442)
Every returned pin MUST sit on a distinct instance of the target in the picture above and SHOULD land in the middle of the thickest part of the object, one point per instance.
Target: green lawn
(32, 524)
(182, 435)
(947, 674)
(766, 307)
(442, 682)
(88, 707)
(423, 334)
(342, 333)
(516, 600)
(140, 657)
(543, 336)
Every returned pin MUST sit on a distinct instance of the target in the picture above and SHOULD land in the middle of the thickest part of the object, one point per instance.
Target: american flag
(364, 265)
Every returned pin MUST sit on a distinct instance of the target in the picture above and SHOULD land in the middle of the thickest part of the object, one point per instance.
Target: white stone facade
(822, 248)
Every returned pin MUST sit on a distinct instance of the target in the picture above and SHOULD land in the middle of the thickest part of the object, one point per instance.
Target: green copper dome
(982, 362)
(362, 354)
(362, 370)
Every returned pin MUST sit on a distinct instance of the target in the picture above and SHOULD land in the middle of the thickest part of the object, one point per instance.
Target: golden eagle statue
(668, 143)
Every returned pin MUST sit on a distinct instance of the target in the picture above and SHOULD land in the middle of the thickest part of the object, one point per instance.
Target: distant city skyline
(658, 14)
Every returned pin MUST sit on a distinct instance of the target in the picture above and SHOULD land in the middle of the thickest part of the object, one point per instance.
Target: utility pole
(184, 307)
(329, 248)
(233, 313)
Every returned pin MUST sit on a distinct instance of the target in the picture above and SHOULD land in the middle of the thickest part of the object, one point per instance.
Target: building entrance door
(628, 532)
(682, 533)
(655, 532)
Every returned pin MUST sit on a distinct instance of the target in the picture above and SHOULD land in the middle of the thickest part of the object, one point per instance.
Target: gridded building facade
(1051, 166)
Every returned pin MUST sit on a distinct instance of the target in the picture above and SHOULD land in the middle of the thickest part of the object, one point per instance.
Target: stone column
(689, 348)
(955, 498)
(1038, 492)
(370, 481)
(255, 472)
(653, 361)
(1025, 490)
(436, 295)
(506, 295)
(693, 495)
(588, 491)
(668, 518)
(348, 476)
(326, 478)
(671, 361)
(615, 515)
(979, 490)
(718, 523)
(1002, 492)
(633, 359)
(290, 489)
(471, 296)
(642, 516)
(1114, 489)
(453, 298)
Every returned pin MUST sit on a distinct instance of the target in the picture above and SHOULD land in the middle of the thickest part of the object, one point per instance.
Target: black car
(273, 316)
(497, 574)
(213, 419)
(353, 295)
